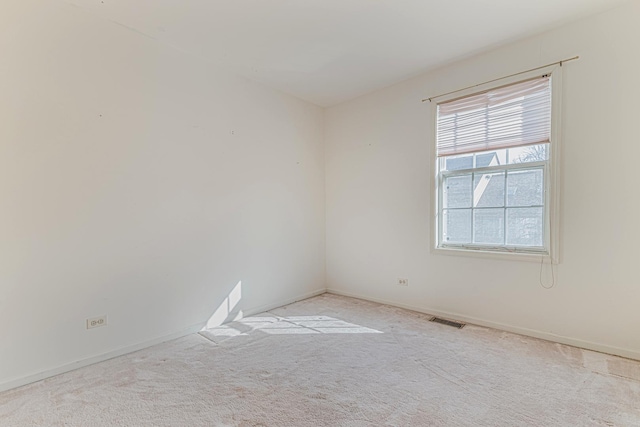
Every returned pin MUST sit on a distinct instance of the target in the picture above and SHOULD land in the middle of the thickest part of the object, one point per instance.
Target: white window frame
(551, 172)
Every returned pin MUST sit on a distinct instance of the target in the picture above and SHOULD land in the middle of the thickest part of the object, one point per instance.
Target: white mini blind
(508, 116)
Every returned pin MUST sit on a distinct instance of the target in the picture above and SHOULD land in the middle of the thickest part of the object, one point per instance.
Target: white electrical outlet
(96, 322)
(403, 282)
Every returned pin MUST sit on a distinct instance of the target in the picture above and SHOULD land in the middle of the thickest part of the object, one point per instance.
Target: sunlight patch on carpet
(292, 325)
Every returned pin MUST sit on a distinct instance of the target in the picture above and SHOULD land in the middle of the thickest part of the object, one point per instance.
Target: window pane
(488, 226)
(530, 153)
(454, 163)
(456, 226)
(457, 192)
(525, 188)
(525, 226)
(491, 158)
(488, 190)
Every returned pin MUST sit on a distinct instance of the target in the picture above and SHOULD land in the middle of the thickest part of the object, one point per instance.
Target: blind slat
(509, 116)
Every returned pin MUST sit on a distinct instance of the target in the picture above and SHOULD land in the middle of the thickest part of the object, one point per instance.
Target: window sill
(479, 253)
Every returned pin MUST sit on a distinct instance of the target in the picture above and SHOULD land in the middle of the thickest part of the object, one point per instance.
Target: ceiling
(330, 51)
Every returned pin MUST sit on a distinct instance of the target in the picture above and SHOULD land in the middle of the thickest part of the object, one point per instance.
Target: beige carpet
(335, 361)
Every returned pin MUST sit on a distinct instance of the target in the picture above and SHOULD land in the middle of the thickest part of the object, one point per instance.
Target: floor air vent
(447, 322)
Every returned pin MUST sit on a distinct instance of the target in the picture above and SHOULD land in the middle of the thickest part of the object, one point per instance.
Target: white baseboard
(267, 307)
(631, 354)
(130, 349)
(574, 342)
(96, 359)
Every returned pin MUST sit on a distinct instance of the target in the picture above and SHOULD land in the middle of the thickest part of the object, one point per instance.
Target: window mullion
(473, 177)
(440, 207)
(504, 209)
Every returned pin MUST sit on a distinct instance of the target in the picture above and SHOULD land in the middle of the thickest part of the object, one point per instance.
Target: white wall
(142, 183)
(378, 207)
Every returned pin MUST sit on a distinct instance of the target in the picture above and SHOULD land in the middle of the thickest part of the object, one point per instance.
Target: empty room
(319, 213)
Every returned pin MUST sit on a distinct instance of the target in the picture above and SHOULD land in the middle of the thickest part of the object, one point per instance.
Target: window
(494, 177)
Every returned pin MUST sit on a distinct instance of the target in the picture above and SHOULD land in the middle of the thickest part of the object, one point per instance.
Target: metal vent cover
(447, 322)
